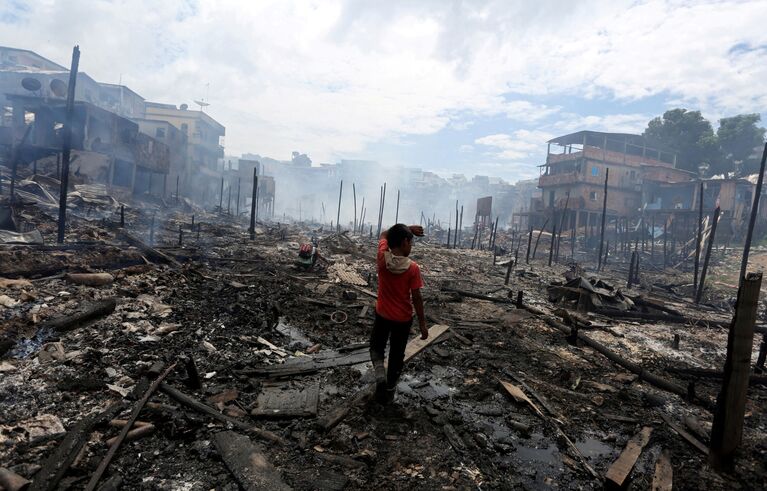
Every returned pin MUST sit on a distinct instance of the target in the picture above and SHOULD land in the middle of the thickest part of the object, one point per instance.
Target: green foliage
(738, 137)
(686, 132)
(691, 135)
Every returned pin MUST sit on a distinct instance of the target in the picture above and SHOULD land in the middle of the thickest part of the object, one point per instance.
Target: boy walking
(399, 290)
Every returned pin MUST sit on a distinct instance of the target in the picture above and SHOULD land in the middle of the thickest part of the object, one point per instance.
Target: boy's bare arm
(418, 304)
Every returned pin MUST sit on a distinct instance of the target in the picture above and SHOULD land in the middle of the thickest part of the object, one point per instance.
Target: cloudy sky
(475, 87)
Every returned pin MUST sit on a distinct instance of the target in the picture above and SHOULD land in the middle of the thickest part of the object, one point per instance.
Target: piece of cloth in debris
(394, 302)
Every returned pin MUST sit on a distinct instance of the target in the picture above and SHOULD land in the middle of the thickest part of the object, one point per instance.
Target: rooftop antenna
(202, 103)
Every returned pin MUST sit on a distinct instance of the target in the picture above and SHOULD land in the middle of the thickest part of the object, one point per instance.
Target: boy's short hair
(397, 234)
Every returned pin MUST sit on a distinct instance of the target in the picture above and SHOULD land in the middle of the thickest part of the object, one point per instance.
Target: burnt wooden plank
(248, 463)
(663, 479)
(621, 468)
(319, 362)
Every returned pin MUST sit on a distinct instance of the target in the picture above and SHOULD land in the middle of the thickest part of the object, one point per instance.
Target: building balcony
(565, 178)
(607, 156)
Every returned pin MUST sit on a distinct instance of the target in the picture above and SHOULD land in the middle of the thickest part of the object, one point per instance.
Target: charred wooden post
(529, 243)
(455, 234)
(561, 226)
(553, 240)
(151, 231)
(752, 219)
(495, 231)
(762, 355)
(573, 233)
(631, 270)
(193, 380)
(665, 242)
(635, 276)
(177, 189)
(516, 252)
(180, 236)
(652, 240)
(508, 272)
(607, 252)
(709, 247)
(518, 302)
(192, 227)
(380, 210)
(727, 430)
(229, 199)
(122, 216)
(604, 216)
(338, 214)
(252, 228)
(15, 162)
(460, 227)
(572, 338)
(221, 197)
(354, 199)
(396, 213)
(675, 342)
(699, 237)
(237, 208)
(66, 148)
(537, 239)
(363, 211)
(199, 226)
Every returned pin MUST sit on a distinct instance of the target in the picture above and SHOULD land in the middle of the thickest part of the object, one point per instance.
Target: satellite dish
(201, 103)
(31, 84)
(184, 107)
(58, 87)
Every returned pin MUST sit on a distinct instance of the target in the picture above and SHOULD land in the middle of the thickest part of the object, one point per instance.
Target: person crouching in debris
(308, 255)
(399, 280)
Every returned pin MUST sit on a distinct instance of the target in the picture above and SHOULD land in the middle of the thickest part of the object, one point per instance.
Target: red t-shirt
(394, 301)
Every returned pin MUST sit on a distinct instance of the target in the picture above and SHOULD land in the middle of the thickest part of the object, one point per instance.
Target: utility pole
(752, 220)
(354, 194)
(396, 214)
(338, 215)
(238, 195)
(67, 144)
(709, 246)
(699, 237)
(604, 215)
(252, 228)
(15, 163)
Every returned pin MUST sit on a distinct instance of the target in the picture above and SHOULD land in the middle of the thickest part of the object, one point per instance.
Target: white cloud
(521, 144)
(615, 123)
(331, 77)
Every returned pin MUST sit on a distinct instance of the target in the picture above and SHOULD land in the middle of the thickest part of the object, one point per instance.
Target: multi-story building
(576, 176)
(106, 148)
(204, 139)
